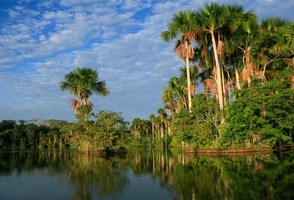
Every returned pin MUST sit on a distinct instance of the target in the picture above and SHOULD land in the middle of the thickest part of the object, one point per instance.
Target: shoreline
(237, 151)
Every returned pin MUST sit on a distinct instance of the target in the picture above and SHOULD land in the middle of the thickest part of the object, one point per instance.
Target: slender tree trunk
(247, 62)
(153, 126)
(237, 78)
(188, 80)
(161, 130)
(223, 80)
(169, 128)
(218, 71)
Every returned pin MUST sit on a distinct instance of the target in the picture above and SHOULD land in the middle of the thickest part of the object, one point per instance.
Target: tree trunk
(218, 71)
(153, 127)
(223, 81)
(188, 79)
(237, 78)
(161, 130)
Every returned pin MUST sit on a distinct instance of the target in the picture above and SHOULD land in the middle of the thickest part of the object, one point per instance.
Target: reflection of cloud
(41, 41)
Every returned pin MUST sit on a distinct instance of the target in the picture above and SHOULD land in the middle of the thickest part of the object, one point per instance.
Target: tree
(162, 114)
(258, 111)
(211, 19)
(242, 44)
(181, 26)
(152, 121)
(83, 82)
(174, 97)
(193, 77)
(275, 44)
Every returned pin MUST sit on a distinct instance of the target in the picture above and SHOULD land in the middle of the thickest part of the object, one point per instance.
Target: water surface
(144, 174)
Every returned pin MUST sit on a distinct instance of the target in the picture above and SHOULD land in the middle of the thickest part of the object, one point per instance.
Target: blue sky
(41, 41)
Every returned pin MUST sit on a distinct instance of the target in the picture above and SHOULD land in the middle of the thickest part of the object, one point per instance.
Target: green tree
(275, 44)
(83, 82)
(152, 121)
(242, 45)
(258, 118)
(162, 114)
(174, 96)
(181, 26)
(211, 18)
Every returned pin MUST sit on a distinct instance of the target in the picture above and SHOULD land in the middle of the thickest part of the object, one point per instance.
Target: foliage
(84, 112)
(107, 133)
(28, 135)
(83, 82)
(199, 127)
(263, 110)
(232, 51)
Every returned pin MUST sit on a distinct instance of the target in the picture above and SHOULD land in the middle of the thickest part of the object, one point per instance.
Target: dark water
(144, 174)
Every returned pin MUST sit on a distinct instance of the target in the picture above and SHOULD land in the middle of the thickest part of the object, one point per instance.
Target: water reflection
(145, 174)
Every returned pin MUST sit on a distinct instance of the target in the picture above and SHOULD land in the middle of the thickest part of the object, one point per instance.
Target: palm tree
(193, 78)
(162, 115)
(168, 98)
(173, 95)
(152, 120)
(136, 128)
(211, 18)
(182, 26)
(240, 35)
(245, 41)
(275, 44)
(83, 82)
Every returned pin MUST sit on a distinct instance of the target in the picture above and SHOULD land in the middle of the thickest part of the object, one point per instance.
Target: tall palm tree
(182, 26)
(241, 35)
(245, 41)
(83, 82)
(211, 19)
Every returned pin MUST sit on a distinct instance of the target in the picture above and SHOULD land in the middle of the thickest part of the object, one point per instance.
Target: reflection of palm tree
(83, 82)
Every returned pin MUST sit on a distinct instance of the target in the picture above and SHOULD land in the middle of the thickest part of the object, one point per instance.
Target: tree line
(31, 134)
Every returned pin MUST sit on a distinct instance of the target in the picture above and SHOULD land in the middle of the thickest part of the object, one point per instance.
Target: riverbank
(237, 151)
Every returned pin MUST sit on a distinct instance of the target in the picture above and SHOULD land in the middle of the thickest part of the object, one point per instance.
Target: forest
(236, 90)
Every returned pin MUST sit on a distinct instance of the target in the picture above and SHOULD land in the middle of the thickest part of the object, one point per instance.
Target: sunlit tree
(83, 82)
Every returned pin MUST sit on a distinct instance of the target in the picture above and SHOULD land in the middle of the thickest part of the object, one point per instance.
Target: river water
(144, 174)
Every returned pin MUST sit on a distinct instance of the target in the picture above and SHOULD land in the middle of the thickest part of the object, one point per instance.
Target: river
(144, 174)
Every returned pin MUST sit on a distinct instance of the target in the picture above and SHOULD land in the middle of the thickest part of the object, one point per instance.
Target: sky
(42, 40)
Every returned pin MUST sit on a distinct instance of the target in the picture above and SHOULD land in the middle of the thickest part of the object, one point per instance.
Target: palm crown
(83, 82)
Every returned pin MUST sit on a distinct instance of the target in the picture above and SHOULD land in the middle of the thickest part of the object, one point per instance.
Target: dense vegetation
(31, 134)
(236, 91)
(239, 91)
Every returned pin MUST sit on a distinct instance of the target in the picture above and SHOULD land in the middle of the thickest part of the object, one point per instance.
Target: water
(144, 174)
